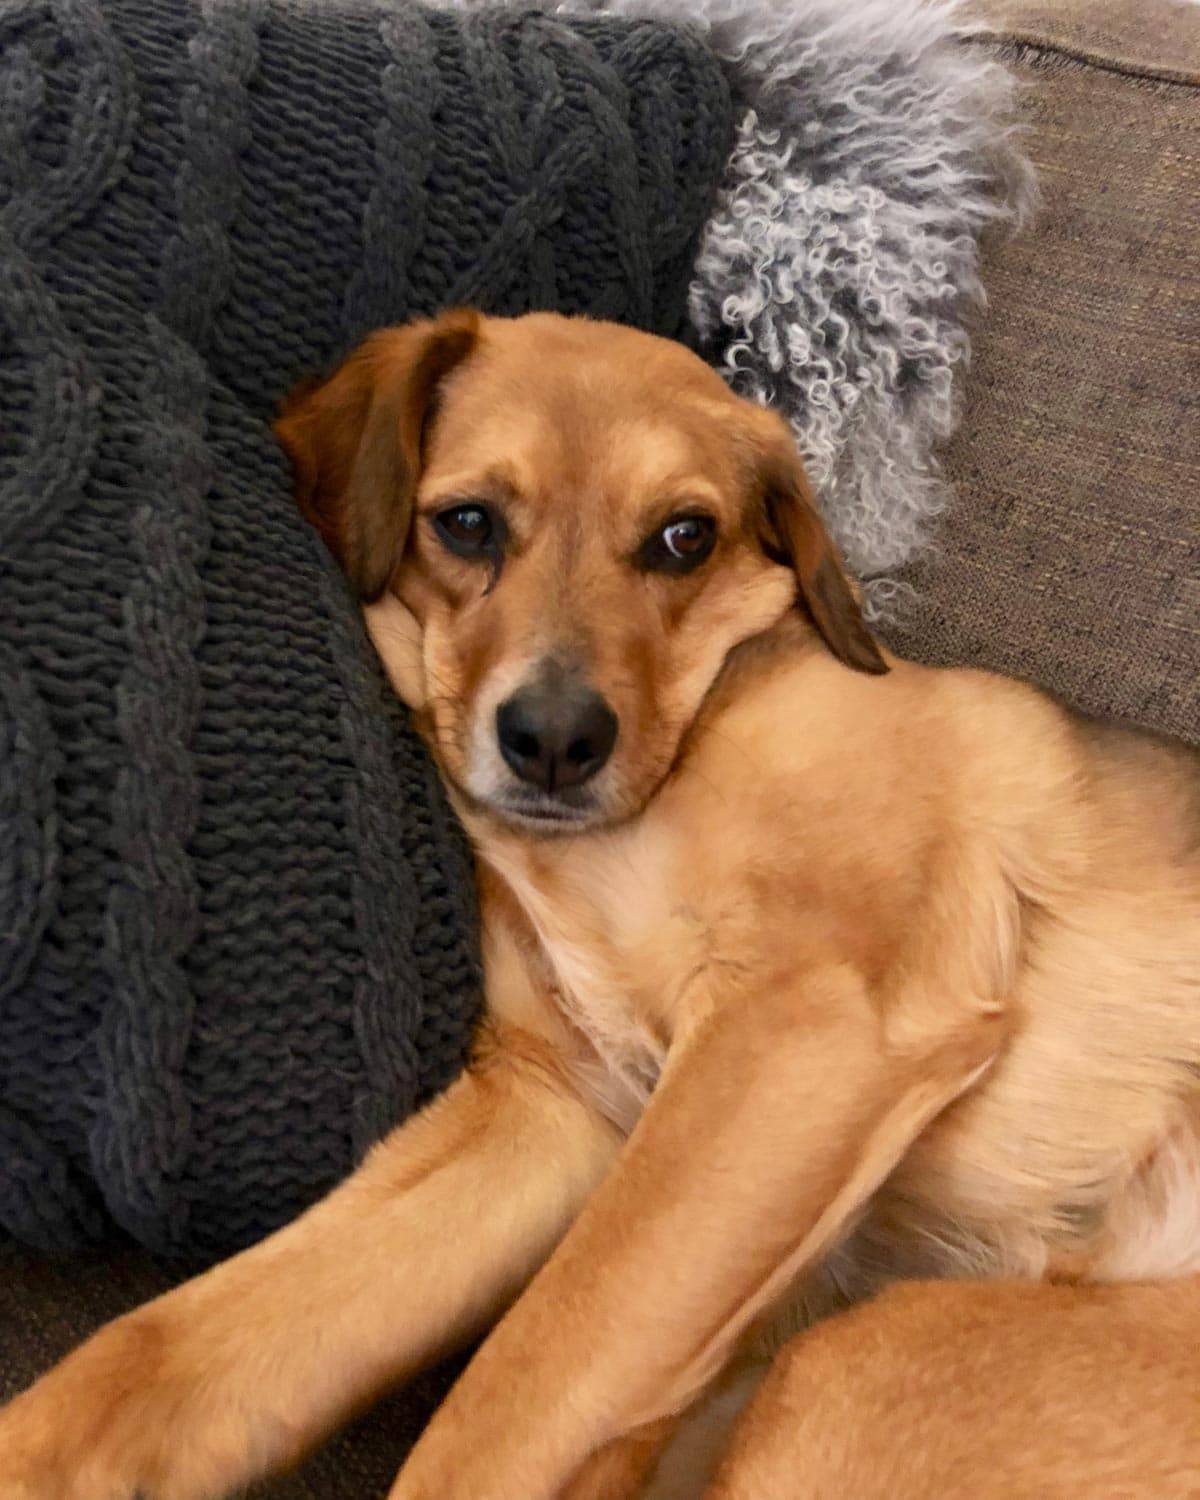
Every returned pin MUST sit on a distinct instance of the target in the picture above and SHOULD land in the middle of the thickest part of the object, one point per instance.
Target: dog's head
(584, 521)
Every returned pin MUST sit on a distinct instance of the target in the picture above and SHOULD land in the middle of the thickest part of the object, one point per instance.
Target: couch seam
(1099, 60)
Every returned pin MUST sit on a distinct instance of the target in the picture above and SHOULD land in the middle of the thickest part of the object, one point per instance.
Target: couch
(1071, 555)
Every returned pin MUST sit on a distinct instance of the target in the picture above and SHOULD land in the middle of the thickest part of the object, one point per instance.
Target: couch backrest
(1072, 554)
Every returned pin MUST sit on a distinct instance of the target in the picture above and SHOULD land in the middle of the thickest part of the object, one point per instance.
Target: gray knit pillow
(235, 916)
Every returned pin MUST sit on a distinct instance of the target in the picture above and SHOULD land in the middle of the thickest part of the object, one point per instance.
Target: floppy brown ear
(794, 533)
(355, 441)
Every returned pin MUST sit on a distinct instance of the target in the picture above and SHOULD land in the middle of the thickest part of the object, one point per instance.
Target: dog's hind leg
(990, 1389)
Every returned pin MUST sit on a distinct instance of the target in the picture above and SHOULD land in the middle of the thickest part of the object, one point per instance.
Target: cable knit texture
(236, 920)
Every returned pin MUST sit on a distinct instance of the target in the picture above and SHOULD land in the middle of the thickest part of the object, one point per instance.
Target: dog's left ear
(793, 533)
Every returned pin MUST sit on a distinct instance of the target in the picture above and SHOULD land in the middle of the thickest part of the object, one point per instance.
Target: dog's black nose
(556, 735)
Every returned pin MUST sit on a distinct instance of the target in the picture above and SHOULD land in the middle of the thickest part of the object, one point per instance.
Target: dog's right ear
(356, 441)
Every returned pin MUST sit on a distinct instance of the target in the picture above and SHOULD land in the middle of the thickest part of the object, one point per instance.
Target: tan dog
(807, 971)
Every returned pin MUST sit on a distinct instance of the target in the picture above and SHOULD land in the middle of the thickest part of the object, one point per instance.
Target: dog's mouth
(547, 813)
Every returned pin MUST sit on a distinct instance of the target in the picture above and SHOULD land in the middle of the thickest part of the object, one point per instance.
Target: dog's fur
(841, 972)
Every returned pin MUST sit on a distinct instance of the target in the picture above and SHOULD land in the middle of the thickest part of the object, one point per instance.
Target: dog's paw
(114, 1421)
(73, 1435)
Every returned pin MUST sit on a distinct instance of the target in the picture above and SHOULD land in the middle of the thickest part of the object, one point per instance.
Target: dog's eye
(682, 544)
(687, 536)
(468, 530)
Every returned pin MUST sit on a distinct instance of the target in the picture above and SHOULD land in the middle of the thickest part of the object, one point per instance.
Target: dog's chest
(631, 937)
(628, 1052)
(622, 954)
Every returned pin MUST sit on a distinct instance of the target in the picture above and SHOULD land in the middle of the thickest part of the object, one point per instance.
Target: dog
(834, 1125)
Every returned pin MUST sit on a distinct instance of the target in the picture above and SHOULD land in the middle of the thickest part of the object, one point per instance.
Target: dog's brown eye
(468, 530)
(682, 544)
(687, 537)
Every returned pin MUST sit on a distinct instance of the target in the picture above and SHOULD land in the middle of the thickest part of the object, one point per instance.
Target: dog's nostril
(524, 744)
(579, 751)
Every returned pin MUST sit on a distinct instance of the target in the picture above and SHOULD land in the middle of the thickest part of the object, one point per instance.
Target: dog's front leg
(237, 1371)
(774, 1121)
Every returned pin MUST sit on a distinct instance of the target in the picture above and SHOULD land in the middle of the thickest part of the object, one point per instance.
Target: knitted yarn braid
(236, 919)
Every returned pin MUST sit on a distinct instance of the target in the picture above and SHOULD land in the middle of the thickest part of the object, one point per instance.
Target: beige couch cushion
(1138, 37)
(1072, 554)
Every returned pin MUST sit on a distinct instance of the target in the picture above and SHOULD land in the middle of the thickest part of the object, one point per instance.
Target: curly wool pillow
(235, 914)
